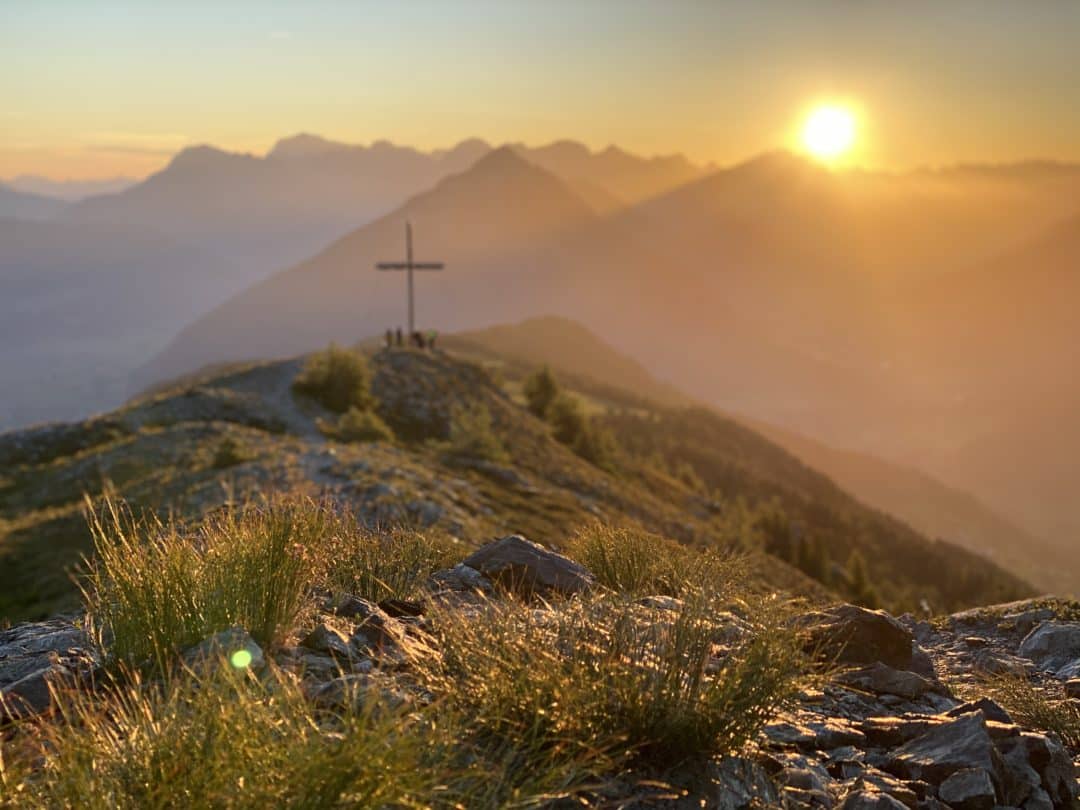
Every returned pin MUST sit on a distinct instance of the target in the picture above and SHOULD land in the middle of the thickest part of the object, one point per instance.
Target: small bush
(154, 588)
(567, 418)
(356, 425)
(472, 435)
(541, 390)
(230, 452)
(595, 684)
(597, 446)
(638, 563)
(229, 741)
(394, 565)
(336, 378)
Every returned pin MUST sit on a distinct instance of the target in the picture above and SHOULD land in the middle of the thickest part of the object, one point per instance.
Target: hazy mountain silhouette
(16, 204)
(501, 207)
(584, 361)
(238, 218)
(70, 190)
(775, 288)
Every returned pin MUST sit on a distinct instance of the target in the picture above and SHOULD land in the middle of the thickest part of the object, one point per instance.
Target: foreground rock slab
(521, 565)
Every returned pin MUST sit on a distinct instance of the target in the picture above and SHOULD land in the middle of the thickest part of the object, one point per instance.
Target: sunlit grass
(154, 588)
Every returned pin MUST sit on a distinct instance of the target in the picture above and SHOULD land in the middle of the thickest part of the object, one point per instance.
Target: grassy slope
(930, 507)
(160, 453)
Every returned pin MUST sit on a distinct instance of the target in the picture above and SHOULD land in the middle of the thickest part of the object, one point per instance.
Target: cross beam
(408, 266)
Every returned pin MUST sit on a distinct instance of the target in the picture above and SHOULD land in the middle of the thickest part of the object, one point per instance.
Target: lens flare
(241, 659)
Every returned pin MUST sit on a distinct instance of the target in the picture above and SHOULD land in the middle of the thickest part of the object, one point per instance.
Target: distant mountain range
(846, 306)
(70, 190)
(105, 282)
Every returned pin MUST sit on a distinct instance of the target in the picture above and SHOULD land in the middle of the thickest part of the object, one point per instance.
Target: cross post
(409, 266)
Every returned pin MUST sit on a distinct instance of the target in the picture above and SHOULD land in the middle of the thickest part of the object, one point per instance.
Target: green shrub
(230, 452)
(336, 378)
(154, 588)
(567, 418)
(472, 435)
(393, 565)
(229, 741)
(356, 425)
(541, 390)
(596, 683)
(597, 446)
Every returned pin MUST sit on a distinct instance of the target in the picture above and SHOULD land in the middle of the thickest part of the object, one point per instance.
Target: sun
(829, 132)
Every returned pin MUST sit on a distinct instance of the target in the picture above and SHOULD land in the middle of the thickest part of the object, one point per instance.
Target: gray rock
(946, 748)
(882, 679)
(990, 709)
(1052, 645)
(462, 578)
(30, 695)
(1072, 688)
(234, 645)
(327, 639)
(849, 634)
(969, 789)
(521, 565)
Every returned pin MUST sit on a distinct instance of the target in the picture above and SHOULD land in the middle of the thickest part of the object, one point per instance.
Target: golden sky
(103, 89)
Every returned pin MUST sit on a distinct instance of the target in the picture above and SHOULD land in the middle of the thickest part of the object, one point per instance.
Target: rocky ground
(901, 720)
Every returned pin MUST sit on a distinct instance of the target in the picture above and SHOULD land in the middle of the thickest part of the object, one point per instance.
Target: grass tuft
(336, 378)
(1044, 708)
(638, 563)
(154, 588)
(228, 741)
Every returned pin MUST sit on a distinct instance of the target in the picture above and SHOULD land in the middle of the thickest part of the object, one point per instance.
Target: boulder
(990, 709)
(968, 789)
(1052, 645)
(30, 695)
(848, 634)
(521, 565)
(945, 749)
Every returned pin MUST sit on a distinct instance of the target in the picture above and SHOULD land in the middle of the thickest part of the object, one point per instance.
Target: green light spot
(241, 659)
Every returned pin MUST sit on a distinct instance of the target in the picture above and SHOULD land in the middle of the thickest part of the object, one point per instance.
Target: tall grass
(228, 741)
(638, 563)
(385, 565)
(599, 683)
(1045, 708)
(156, 587)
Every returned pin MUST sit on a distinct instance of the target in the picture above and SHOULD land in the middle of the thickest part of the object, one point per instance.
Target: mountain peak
(202, 155)
(304, 144)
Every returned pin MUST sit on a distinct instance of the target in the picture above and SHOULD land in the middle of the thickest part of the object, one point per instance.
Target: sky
(100, 89)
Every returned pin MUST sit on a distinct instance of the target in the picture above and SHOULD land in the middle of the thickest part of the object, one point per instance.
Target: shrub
(472, 435)
(336, 378)
(356, 425)
(597, 446)
(567, 418)
(230, 452)
(638, 563)
(541, 390)
(393, 565)
(154, 588)
(229, 741)
(597, 683)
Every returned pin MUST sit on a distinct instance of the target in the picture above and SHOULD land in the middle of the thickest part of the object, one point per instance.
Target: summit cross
(408, 266)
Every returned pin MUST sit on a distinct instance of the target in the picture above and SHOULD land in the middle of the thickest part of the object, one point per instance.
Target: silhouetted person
(431, 339)
(419, 338)
(400, 341)
(389, 338)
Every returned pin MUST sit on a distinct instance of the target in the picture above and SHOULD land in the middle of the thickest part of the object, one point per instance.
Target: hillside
(831, 304)
(588, 364)
(245, 432)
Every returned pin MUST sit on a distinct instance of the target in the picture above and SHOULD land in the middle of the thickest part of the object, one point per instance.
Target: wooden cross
(408, 266)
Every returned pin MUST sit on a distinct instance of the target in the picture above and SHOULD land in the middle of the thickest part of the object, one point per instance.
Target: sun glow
(829, 132)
